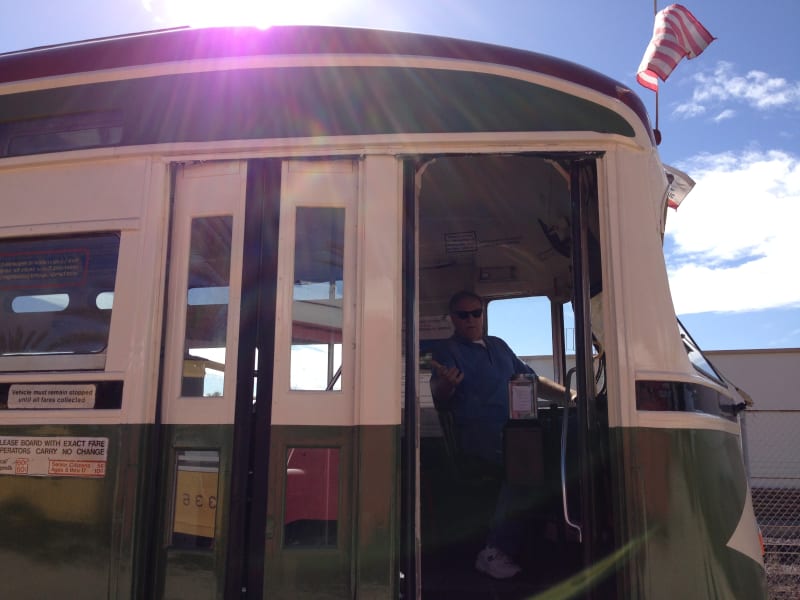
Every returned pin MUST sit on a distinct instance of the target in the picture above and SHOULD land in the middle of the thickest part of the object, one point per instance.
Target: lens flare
(251, 13)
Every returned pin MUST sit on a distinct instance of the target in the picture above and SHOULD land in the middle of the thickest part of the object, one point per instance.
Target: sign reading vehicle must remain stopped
(49, 395)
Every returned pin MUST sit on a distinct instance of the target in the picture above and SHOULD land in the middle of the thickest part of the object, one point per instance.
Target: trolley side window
(312, 497)
(194, 504)
(318, 299)
(207, 306)
(56, 298)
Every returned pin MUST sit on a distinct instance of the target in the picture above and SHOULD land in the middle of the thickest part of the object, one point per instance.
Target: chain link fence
(772, 447)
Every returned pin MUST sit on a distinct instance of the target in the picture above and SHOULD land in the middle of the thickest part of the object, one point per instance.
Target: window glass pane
(316, 356)
(525, 324)
(48, 292)
(61, 132)
(207, 307)
(312, 497)
(696, 356)
(40, 303)
(104, 300)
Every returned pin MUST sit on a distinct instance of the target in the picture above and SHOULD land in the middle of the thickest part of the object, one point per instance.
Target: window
(318, 297)
(61, 132)
(684, 397)
(525, 324)
(56, 297)
(40, 303)
(696, 357)
(207, 306)
(195, 500)
(312, 497)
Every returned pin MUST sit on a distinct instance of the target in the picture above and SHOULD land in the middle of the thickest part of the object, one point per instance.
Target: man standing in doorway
(470, 378)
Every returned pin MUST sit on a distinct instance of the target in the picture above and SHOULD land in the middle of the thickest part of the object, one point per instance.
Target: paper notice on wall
(53, 456)
(522, 392)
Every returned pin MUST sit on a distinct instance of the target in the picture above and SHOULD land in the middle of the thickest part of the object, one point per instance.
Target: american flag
(677, 33)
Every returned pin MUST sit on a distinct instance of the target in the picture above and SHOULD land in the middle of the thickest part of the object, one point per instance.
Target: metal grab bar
(334, 379)
(567, 400)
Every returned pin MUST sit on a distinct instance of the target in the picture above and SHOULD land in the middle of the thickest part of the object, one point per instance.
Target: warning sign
(462, 241)
(51, 268)
(43, 396)
(62, 456)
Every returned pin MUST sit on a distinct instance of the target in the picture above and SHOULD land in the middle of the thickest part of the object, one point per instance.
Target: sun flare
(252, 13)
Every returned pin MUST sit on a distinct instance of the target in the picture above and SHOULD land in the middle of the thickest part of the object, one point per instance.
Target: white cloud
(724, 115)
(688, 110)
(756, 89)
(736, 241)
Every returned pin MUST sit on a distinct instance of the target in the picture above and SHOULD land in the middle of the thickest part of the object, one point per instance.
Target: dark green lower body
(71, 537)
(117, 536)
(113, 537)
(684, 495)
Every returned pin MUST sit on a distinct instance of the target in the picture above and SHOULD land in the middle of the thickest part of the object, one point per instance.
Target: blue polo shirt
(480, 402)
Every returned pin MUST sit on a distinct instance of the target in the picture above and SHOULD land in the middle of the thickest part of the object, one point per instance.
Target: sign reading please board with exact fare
(53, 456)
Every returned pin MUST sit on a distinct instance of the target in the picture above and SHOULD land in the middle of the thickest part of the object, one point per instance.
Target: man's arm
(555, 392)
(548, 389)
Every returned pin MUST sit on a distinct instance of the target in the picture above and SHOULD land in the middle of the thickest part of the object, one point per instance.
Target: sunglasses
(464, 314)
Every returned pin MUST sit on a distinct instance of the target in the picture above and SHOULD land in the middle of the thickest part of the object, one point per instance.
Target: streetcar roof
(166, 46)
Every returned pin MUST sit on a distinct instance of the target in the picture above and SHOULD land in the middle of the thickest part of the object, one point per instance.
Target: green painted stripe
(285, 103)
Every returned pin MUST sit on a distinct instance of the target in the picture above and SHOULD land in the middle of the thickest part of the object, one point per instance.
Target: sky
(729, 118)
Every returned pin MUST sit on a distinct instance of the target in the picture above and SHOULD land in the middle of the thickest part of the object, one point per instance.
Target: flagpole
(656, 133)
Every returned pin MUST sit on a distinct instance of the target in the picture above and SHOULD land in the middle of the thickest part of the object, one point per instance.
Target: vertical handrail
(409, 581)
(564, 428)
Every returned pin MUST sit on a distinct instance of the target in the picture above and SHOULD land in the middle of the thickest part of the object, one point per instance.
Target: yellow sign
(196, 502)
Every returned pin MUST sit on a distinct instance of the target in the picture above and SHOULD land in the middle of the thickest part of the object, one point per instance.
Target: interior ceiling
(498, 225)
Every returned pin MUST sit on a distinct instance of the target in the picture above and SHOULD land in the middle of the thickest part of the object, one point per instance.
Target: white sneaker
(496, 563)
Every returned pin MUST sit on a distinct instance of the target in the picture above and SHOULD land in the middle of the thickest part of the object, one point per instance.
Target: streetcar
(225, 255)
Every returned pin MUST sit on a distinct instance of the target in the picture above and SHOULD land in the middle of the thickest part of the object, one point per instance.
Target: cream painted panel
(136, 322)
(686, 420)
(651, 331)
(208, 189)
(73, 192)
(55, 199)
(380, 307)
(641, 331)
(315, 184)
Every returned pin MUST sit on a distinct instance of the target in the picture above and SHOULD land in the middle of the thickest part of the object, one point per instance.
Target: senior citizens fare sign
(53, 456)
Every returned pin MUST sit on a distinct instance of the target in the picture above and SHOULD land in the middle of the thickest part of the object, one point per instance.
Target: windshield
(696, 357)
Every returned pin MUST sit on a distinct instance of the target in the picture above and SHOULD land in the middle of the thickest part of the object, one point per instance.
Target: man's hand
(450, 376)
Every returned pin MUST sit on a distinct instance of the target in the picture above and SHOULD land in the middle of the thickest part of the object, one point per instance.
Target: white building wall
(771, 425)
(769, 376)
